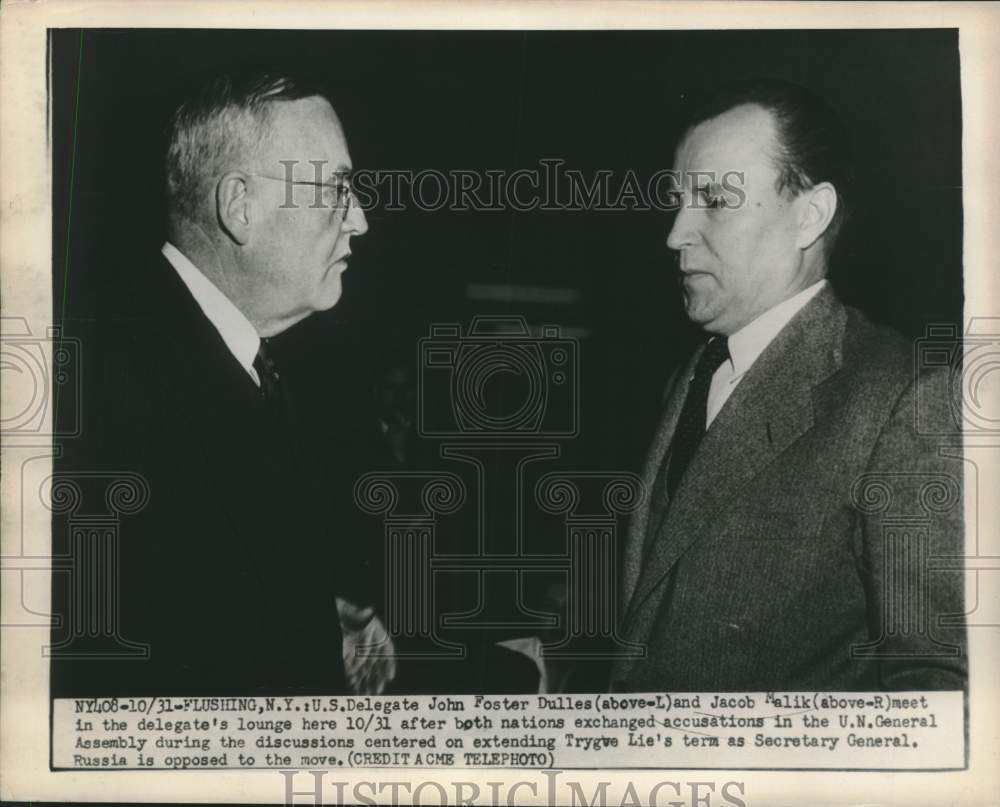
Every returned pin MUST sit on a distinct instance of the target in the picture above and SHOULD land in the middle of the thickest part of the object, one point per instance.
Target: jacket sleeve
(911, 500)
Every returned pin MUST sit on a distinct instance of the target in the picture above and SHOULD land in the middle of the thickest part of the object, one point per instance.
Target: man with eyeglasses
(229, 575)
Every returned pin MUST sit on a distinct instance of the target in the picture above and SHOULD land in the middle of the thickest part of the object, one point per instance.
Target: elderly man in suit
(763, 560)
(229, 576)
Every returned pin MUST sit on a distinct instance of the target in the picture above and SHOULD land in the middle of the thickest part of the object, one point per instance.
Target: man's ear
(817, 213)
(232, 205)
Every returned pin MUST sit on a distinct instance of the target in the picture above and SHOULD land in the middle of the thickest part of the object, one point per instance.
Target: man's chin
(330, 302)
(700, 312)
(697, 307)
(330, 293)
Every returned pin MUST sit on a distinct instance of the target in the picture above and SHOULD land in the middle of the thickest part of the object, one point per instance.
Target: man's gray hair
(222, 126)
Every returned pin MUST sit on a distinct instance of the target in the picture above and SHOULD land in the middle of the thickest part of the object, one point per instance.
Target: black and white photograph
(506, 400)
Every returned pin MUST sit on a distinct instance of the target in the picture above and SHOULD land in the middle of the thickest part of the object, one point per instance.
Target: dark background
(503, 100)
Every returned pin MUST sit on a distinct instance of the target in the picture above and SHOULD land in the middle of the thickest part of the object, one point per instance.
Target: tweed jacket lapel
(635, 540)
(770, 409)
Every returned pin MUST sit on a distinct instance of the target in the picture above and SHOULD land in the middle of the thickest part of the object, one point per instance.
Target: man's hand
(369, 660)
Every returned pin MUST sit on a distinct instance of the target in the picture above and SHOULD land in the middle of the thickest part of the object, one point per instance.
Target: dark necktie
(270, 381)
(687, 436)
(691, 426)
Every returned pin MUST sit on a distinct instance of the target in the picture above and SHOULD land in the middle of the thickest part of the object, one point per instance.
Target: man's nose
(684, 232)
(356, 222)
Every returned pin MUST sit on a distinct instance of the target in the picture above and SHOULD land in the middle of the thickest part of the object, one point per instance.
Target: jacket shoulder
(891, 373)
(877, 355)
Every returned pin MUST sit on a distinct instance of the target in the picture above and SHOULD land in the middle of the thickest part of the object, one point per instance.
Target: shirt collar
(235, 329)
(746, 345)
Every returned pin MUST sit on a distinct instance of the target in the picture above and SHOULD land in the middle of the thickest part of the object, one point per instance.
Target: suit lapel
(635, 547)
(767, 412)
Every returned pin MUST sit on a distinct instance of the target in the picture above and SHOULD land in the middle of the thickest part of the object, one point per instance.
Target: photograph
(352, 336)
(498, 408)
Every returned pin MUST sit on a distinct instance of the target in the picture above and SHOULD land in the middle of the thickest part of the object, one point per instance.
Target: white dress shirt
(746, 345)
(235, 329)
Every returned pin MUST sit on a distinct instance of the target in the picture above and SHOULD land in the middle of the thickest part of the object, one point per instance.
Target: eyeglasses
(338, 194)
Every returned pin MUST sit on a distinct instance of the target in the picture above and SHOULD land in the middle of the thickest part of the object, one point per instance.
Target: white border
(25, 284)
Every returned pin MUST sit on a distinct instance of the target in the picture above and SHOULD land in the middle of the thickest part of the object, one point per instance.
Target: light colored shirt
(746, 345)
(235, 329)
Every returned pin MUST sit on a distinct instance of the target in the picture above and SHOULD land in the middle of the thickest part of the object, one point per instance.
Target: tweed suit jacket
(800, 550)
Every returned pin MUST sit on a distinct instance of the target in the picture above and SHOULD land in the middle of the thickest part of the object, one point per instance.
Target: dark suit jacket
(797, 553)
(228, 573)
